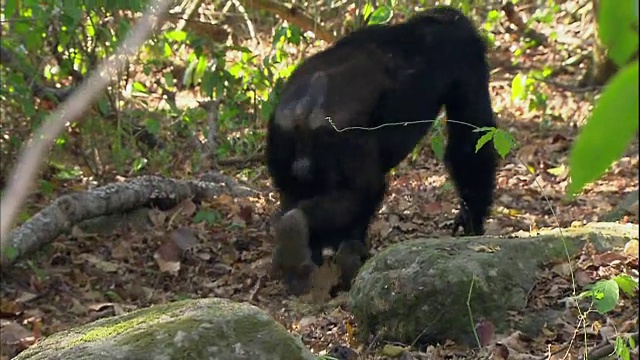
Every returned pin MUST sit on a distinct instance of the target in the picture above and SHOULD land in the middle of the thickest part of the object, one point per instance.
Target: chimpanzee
(332, 177)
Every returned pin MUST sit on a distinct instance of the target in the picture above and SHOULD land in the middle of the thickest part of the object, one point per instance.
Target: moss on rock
(190, 329)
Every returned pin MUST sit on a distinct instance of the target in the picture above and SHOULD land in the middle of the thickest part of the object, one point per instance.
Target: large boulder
(190, 329)
(418, 290)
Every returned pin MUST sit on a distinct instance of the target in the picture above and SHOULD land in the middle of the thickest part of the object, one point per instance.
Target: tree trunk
(602, 68)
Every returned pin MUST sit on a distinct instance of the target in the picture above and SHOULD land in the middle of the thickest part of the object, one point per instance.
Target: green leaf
(104, 107)
(605, 136)
(382, 15)
(367, 10)
(113, 296)
(327, 357)
(294, 35)
(169, 80)
(494, 16)
(621, 349)
(484, 139)
(34, 41)
(206, 215)
(139, 163)
(503, 142)
(10, 8)
(28, 108)
(90, 5)
(518, 87)
(557, 171)
(152, 125)
(71, 14)
(167, 50)
(187, 77)
(209, 80)
(10, 252)
(46, 187)
(605, 295)
(627, 284)
(139, 87)
(437, 145)
(176, 35)
(242, 49)
(21, 28)
(200, 69)
(279, 34)
(123, 28)
(618, 29)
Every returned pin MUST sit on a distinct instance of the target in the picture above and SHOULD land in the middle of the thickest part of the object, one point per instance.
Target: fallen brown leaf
(187, 207)
(168, 257)
(499, 352)
(15, 335)
(486, 332)
(10, 308)
(77, 308)
(246, 214)
(99, 263)
(99, 306)
(121, 251)
(608, 258)
(184, 238)
(157, 217)
(381, 227)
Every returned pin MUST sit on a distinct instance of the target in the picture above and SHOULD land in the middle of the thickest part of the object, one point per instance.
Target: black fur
(371, 77)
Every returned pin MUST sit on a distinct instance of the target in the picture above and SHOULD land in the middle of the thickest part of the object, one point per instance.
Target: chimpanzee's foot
(350, 257)
(292, 256)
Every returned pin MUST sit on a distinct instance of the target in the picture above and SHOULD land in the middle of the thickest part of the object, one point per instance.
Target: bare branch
(293, 15)
(71, 209)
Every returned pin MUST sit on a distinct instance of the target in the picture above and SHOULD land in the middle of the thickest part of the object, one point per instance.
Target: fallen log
(71, 209)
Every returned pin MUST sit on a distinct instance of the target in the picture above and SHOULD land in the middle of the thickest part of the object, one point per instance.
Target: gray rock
(418, 290)
(190, 329)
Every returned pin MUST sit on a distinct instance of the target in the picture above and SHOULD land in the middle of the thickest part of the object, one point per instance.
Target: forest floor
(81, 278)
